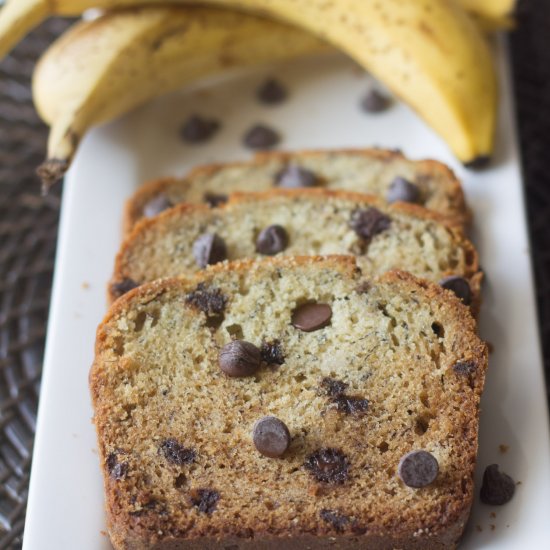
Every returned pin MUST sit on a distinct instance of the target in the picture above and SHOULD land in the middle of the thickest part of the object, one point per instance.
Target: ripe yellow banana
(103, 68)
(492, 10)
(18, 17)
(428, 52)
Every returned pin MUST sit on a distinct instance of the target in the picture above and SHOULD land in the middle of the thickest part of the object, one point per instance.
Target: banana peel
(429, 53)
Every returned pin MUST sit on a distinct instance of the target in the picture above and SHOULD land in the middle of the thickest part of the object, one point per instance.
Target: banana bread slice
(288, 404)
(298, 222)
(372, 171)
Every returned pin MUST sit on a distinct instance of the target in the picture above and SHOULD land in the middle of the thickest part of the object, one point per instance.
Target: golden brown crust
(439, 527)
(457, 212)
(160, 224)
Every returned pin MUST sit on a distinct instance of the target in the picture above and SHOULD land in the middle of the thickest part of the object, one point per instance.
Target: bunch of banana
(429, 52)
(20, 16)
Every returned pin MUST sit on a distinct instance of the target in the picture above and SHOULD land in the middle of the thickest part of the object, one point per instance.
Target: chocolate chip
(465, 367)
(197, 129)
(350, 404)
(310, 317)
(403, 190)
(333, 387)
(261, 137)
(117, 470)
(370, 222)
(328, 465)
(497, 488)
(293, 177)
(363, 287)
(418, 469)
(119, 288)
(214, 199)
(176, 453)
(337, 520)
(271, 92)
(272, 240)
(459, 285)
(375, 102)
(271, 437)
(206, 500)
(208, 249)
(272, 353)
(156, 205)
(209, 300)
(239, 358)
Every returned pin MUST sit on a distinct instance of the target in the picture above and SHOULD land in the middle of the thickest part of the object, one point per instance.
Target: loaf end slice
(397, 368)
(369, 171)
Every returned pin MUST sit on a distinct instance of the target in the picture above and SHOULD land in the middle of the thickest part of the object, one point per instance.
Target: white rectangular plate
(65, 508)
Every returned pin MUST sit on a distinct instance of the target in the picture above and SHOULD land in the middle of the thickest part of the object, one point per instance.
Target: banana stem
(17, 18)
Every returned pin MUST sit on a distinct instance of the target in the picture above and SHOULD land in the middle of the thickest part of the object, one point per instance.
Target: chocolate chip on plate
(293, 177)
(375, 102)
(271, 92)
(176, 453)
(312, 316)
(418, 469)
(272, 240)
(206, 500)
(208, 249)
(197, 129)
(328, 465)
(156, 205)
(369, 222)
(261, 137)
(239, 358)
(271, 436)
(214, 199)
(402, 190)
(272, 353)
(497, 488)
(119, 288)
(459, 285)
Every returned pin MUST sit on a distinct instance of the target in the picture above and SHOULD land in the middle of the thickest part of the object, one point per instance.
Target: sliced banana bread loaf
(186, 238)
(288, 404)
(386, 174)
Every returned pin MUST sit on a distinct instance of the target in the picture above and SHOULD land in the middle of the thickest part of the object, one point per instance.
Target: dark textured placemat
(28, 231)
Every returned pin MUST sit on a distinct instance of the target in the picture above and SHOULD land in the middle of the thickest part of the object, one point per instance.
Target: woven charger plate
(28, 232)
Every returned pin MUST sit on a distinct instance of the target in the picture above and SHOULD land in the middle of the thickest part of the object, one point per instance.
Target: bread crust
(457, 212)
(437, 529)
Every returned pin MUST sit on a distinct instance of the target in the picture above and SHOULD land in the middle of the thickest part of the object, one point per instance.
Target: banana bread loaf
(386, 174)
(299, 222)
(288, 404)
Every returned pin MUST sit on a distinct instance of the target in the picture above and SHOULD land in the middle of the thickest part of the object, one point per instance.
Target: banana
(428, 52)
(499, 11)
(18, 17)
(103, 68)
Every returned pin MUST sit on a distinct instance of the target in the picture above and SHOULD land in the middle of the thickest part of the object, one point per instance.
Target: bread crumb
(503, 448)
(479, 528)
(104, 533)
(85, 285)
(493, 515)
(490, 346)
(518, 483)
(493, 526)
